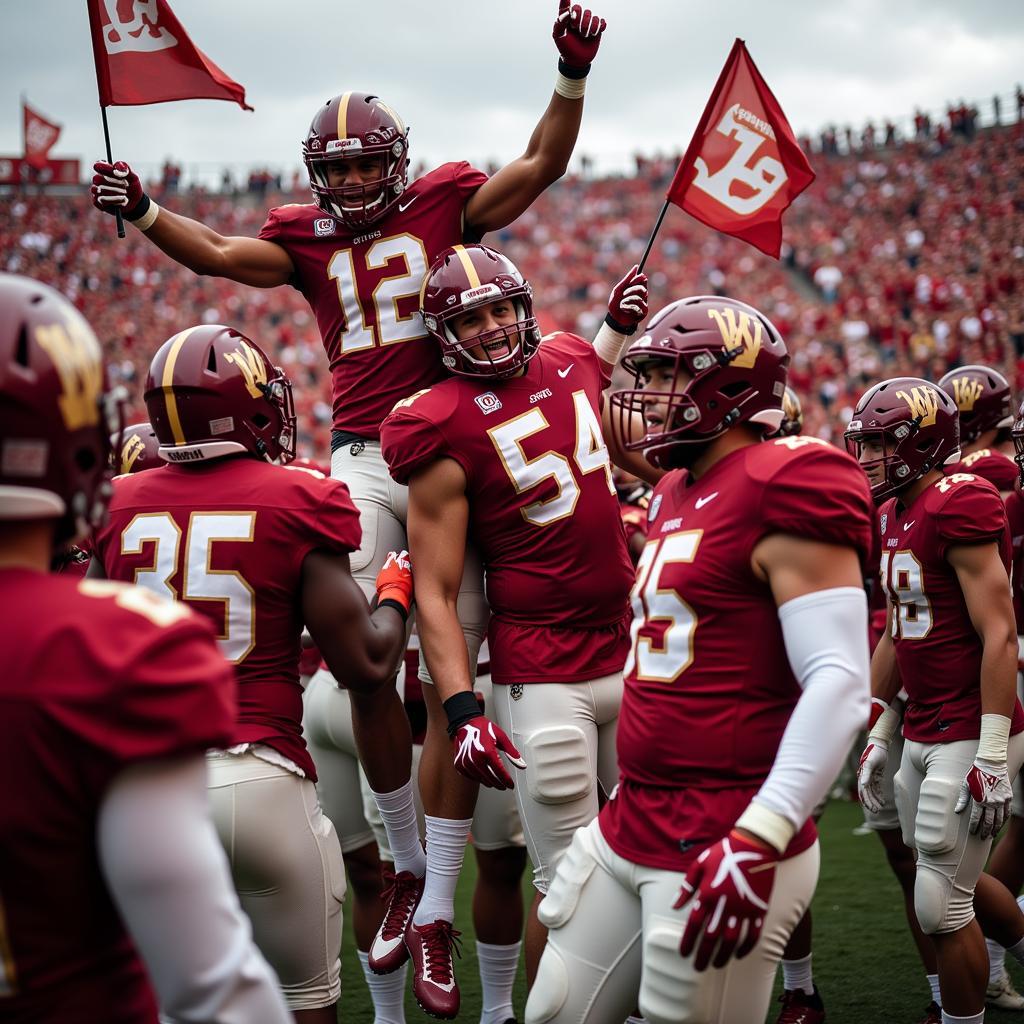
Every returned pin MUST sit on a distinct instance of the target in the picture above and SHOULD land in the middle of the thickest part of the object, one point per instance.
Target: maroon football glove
(627, 304)
(730, 885)
(577, 34)
(477, 746)
(116, 187)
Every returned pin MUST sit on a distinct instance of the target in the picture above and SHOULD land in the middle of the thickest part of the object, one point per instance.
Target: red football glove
(116, 187)
(394, 581)
(577, 34)
(730, 885)
(627, 304)
(477, 746)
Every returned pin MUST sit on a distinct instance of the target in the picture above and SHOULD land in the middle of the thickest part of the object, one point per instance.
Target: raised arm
(253, 261)
(499, 201)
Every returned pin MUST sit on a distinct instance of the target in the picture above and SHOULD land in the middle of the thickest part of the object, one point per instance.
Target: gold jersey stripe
(343, 115)
(467, 266)
(167, 383)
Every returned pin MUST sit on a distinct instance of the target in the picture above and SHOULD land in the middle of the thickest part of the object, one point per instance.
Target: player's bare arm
(577, 34)
(253, 261)
(362, 650)
(885, 674)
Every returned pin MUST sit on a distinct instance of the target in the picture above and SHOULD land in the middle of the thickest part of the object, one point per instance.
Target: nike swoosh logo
(565, 373)
(402, 207)
(907, 526)
(701, 502)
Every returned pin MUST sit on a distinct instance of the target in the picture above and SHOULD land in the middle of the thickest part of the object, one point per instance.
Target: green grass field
(864, 961)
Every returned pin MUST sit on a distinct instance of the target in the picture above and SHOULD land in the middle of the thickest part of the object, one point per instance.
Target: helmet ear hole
(260, 420)
(211, 360)
(21, 349)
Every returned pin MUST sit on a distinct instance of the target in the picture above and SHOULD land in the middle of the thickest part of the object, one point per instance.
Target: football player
(358, 254)
(983, 402)
(510, 450)
(952, 645)
(114, 893)
(746, 684)
(259, 549)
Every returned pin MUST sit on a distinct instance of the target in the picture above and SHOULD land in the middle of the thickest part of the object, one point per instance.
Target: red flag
(743, 166)
(40, 136)
(143, 55)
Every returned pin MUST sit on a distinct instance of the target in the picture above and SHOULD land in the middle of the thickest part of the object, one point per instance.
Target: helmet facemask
(361, 204)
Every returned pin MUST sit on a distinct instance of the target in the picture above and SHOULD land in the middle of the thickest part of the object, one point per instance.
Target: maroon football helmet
(736, 364)
(792, 415)
(467, 276)
(353, 126)
(56, 416)
(212, 392)
(913, 423)
(983, 398)
(138, 450)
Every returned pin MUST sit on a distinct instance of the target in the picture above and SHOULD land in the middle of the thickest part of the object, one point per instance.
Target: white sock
(974, 1018)
(996, 960)
(446, 847)
(387, 992)
(796, 974)
(933, 984)
(1017, 951)
(497, 976)
(398, 811)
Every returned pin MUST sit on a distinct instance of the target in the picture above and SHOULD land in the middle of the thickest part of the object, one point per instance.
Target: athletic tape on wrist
(570, 88)
(148, 219)
(995, 735)
(609, 343)
(885, 728)
(767, 824)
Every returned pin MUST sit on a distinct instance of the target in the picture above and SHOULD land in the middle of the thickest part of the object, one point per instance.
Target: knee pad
(575, 867)
(940, 906)
(558, 768)
(936, 827)
(667, 987)
(550, 988)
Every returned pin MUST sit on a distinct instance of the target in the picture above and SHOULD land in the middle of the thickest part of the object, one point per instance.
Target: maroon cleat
(433, 971)
(388, 952)
(800, 1008)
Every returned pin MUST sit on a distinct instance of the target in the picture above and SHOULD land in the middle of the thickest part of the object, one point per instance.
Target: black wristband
(619, 328)
(576, 73)
(139, 209)
(397, 605)
(460, 708)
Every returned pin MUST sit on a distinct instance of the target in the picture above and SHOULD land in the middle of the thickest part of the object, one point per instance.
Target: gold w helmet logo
(75, 353)
(130, 452)
(739, 330)
(252, 368)
(966, 391)
(924, 404)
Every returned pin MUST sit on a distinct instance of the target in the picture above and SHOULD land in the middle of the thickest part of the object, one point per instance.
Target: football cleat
(388, 952)
(800, 1008)
(933, 1015)
(433, 970)
(1002, 995)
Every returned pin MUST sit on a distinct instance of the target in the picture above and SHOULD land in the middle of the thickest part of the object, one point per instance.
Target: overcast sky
(471, 78)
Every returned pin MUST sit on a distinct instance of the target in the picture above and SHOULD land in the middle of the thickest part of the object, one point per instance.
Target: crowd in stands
(906, 259)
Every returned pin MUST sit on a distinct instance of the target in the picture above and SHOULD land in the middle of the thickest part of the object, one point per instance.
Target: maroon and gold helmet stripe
(167, 385)
(343, 115)
(467, 265)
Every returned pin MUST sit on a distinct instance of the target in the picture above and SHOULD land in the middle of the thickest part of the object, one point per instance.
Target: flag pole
(654, 234)
(110, 160)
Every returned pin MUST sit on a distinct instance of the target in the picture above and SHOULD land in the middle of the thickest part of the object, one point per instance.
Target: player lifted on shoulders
(509, 451)
(689, 882)
(260, 549)
(114, 893)
(359, 254)
(952, 646)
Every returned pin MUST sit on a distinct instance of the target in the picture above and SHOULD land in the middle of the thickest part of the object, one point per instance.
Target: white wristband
(885, 728)
(609, 344)
(148, 219)
(570, 88)
(995, 735)
(767, 824)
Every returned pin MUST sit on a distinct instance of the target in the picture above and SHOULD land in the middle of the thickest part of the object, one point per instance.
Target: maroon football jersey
(938, 650)
(709, 688)
(229, 537)
(364, 288)
(989, 464)
(1015, 520)
(97, 676)
(542, 508)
